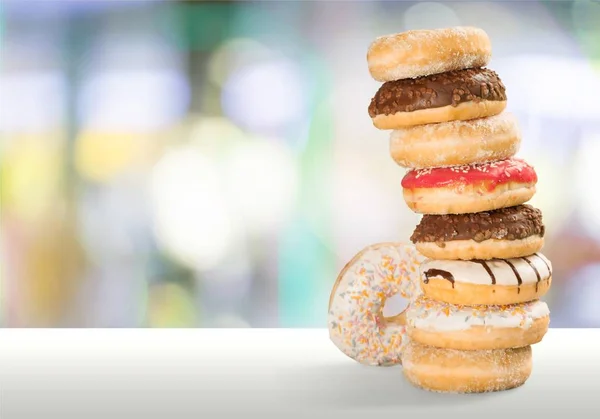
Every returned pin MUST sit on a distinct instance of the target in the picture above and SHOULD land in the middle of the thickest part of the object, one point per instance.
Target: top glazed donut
(424, 52)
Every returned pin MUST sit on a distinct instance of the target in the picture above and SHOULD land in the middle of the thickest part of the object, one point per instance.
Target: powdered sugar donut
(487, 282)
(471, 188)
(454, 371)
(456, 143)
(356, 323)
(451, 326)
(423, 52)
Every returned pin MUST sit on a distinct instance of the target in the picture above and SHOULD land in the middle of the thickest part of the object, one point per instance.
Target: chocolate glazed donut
(499, 234)
(456, 95)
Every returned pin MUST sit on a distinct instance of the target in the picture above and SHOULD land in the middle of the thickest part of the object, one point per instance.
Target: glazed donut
(471, 188)
(467, 328)
(356, 323)
(423, 52)
(498, 234)
(487, 282)
(453, 371)
(456, 143)
(455, 95)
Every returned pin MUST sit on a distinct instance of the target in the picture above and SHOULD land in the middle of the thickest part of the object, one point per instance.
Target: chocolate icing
(437, 90)
(512, 223)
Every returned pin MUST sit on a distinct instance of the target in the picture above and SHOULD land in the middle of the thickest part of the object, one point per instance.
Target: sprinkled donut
(423, 52)
(456, 143)
(469, 188)
(487, 282)
(450, 326)
(454, 371)
(356, 323)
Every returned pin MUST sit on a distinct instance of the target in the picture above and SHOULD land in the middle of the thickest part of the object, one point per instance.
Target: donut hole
(394, 305)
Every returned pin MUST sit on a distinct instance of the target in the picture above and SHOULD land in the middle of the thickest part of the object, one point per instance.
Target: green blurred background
(213, 164)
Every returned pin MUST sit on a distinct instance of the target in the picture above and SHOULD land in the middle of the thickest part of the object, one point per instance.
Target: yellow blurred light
(49, 274)
(31, 175)
(170, 305)
(215, 135)
(101, 156)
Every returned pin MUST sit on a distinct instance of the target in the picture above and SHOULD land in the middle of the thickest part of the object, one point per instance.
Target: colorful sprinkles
(425, 313)
(355, 320)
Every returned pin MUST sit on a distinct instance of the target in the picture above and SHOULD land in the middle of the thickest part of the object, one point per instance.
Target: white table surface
(212, 373)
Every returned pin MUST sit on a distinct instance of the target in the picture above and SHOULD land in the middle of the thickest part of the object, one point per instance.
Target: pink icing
(492, 173)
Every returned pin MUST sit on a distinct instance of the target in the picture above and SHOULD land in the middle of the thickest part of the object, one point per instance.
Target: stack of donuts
(478, 274)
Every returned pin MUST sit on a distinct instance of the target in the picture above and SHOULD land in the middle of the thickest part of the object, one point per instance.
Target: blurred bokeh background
(175, 164)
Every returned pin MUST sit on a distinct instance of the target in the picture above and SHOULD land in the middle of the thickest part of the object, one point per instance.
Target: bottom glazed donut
(453, 371)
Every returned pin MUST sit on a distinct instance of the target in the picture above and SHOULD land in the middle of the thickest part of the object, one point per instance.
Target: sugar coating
(355, 319)
(501, 368)
(417, 53)
(421, 146)
(481, 127)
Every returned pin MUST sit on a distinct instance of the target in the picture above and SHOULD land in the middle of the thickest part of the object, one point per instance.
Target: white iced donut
(450, 326)
(487, 282)
(356, 322)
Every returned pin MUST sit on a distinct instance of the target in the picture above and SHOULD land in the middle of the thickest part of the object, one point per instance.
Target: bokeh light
(170, 305)
(265, 96)
(138, 101)
(214, 164)
(215, 136)
(235, 54)
(192, 220)
(30, 175)
(555, 206)
(32, 102)
(528, 77)
(100, 157)
(262, 180)
(586, 173)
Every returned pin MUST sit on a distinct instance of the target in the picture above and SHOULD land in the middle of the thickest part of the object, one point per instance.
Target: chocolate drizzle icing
(542, 259)
(434, 272)
(516, 272)
(487, 268)
(537, 273)
(430, 273)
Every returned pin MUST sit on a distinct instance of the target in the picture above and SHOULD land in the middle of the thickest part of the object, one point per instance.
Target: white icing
(471, 272)
(355, 319)
(430, 315)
